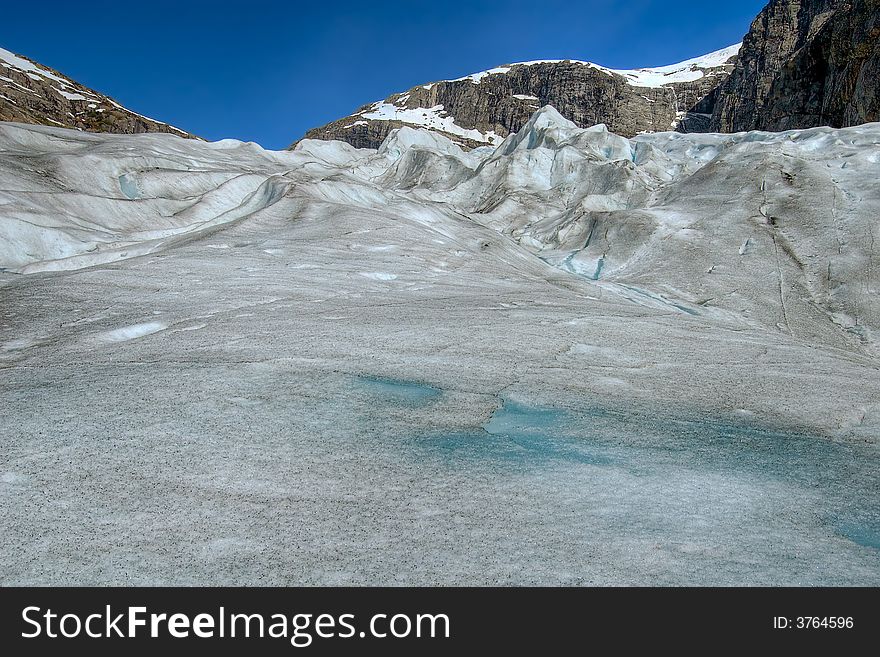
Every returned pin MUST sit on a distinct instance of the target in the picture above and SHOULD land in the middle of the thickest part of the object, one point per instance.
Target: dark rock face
(32, 93)
(501, 103)
(805, 63)
(362, 134)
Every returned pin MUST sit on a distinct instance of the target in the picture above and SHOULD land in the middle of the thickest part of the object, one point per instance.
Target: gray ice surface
(311, 375)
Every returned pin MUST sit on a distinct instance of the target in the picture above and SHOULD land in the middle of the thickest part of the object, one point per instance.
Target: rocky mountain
(805, 63)
(33, 93)
(484, 108)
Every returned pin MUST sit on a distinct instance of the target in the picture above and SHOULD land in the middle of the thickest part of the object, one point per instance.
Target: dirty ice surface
(572, 358)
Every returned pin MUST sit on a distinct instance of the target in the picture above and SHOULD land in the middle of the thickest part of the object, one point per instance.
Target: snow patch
(687, 71)
(133, 332)
(35, 73)
(379, 276)
(432, 118)
(476, 78)
(11, 60)
(71, 96)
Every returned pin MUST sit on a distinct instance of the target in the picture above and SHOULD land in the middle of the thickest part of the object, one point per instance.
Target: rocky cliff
(484, 108)
(33, 93)
(805, 63)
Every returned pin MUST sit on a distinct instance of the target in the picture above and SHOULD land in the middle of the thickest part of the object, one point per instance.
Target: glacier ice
(570, 358)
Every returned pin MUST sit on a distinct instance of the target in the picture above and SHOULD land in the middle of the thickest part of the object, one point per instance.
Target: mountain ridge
(35, 94)
(485, 107)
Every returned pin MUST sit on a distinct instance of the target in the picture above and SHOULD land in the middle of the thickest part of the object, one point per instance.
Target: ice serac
(484, 108)
(805, 63)
(631, 215)
(33, 93)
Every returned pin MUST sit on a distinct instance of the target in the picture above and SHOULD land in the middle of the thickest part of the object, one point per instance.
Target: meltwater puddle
(521, 439)
(397, 391)
(535, 435)
(515, 434)
(865, 533)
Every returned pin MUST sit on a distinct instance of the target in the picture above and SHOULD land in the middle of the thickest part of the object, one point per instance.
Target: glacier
(570, 358)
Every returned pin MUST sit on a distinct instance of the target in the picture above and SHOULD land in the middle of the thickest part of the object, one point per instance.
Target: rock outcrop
(486, 107)
(33, 93)
(805, 63)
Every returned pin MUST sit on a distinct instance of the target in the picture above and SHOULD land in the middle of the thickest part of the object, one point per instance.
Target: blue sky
(268, 71)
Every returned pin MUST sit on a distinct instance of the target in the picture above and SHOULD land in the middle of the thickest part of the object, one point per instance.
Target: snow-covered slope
(309, 366)
(689, 70)
(483, 108)
(33, 93)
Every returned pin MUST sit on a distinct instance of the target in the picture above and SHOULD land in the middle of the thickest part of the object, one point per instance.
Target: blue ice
(129, 187)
